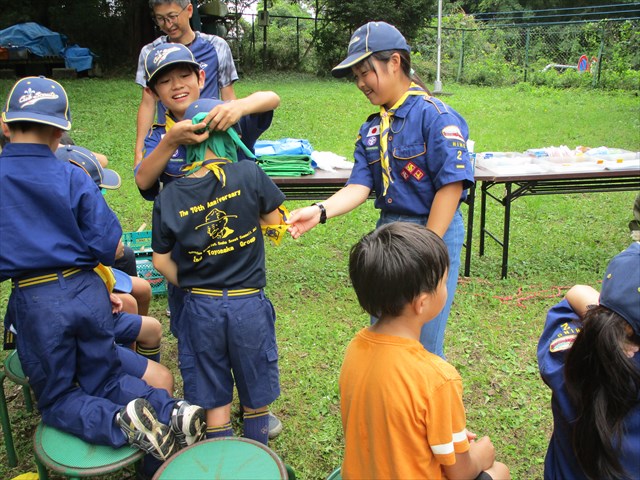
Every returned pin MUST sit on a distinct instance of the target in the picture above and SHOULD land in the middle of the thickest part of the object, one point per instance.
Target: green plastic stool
(13, 371)
(224, 458)
(335, 475)
(71, 457)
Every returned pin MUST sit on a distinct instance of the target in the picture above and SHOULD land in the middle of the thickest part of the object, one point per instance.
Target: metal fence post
(298, 39)
(526, 52)
(596, 78)
(461, 64)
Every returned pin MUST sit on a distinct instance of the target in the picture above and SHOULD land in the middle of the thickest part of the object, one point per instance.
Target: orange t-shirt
(402, 410)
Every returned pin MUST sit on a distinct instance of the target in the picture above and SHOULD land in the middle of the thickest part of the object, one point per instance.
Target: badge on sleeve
(565, 337)
(452, 132)
(374, 131)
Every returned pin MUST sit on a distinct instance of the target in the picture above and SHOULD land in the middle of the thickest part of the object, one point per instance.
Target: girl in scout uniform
(412, 154)
(588, 356)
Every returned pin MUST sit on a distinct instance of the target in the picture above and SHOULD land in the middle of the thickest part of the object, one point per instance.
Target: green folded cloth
(286, 165)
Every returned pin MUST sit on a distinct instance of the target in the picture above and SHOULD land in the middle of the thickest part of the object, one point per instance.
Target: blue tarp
(43, 42)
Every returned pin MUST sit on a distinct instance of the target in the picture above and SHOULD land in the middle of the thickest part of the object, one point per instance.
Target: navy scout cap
(199, 106)
(164, 55)
(621, 286)
(38, 100)
(86, 160)
(368, 39)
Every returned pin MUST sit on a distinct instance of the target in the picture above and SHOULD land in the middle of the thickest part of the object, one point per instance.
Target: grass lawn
(556, 241)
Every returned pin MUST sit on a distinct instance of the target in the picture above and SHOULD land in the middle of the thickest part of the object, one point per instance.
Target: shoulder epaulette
(438, 104)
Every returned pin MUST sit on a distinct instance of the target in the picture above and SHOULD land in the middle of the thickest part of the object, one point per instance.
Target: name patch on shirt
(452, 132)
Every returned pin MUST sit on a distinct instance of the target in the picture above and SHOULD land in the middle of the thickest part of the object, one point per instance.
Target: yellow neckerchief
(214, 164)
(276, 233)
(385, 126)
(106, 274)
(168, 122)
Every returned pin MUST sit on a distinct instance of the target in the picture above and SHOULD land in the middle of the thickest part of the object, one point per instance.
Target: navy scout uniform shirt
(215, 229)
(52, 214)
(427, 150)
(561, 328)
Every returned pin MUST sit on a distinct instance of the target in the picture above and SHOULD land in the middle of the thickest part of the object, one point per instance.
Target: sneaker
(139, 421)
(275, 426)
(188, 423)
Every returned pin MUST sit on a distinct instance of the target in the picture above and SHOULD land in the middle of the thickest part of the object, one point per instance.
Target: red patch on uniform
(418, 174)
(412, 170)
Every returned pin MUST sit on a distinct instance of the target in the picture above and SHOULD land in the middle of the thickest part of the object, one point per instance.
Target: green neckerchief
(224, 144)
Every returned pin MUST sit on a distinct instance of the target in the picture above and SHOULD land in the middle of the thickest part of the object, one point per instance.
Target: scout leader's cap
(85, 159)
(164, 55)
(38, 100)
(368, 39)
(621, 286)
(201, 105)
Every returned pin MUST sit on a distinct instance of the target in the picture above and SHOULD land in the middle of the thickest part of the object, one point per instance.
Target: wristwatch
(323, 212)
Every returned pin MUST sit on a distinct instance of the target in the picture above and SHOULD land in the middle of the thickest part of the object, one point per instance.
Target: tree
(341, 17)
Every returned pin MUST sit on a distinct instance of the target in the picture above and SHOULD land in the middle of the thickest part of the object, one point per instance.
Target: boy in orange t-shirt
(402, 410)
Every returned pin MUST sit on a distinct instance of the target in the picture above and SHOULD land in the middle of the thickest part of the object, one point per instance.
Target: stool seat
(70, 456)
(335, 475)
(12, 370)
(223, 458)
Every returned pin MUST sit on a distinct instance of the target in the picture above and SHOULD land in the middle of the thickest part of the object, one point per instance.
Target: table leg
(467, 255)
(505, 236)
(483, 215)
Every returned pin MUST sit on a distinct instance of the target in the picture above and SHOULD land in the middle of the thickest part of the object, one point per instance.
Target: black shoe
(188, 423)
(139, 421)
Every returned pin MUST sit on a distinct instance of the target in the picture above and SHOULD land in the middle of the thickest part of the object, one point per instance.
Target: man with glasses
(212, 52)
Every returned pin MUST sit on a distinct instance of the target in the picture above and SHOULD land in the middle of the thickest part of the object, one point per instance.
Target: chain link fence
(604, 53)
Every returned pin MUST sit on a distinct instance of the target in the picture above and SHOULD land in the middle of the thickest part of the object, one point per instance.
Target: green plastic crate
(140, 243)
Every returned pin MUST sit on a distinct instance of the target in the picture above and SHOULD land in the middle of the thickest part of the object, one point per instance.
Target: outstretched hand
(223, 116)
(186, 133)
(302, 220)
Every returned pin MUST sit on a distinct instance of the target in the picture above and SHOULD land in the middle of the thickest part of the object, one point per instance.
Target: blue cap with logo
(164, 55)
(38, 100)
(621, 286)
(368, 39)
(201, 105)
(85, 159)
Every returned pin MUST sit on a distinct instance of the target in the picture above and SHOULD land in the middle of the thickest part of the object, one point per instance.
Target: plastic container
(145, 269)
(140, 243)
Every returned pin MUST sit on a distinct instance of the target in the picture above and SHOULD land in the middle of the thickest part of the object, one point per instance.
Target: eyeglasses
(171, 18)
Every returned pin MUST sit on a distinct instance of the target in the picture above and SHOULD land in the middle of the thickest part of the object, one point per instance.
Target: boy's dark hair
(170, 68)
(25, 126)
(392, 265)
